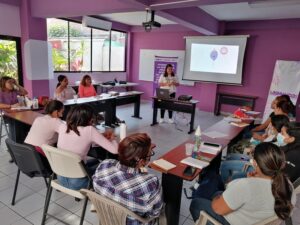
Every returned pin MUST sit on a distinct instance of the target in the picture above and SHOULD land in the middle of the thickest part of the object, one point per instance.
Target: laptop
(162, 93)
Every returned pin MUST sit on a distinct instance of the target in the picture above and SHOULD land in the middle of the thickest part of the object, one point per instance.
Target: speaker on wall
(38, 60)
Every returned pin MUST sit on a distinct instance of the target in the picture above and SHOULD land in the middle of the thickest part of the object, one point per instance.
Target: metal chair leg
(46, 182)
(83, 211)
(16, 187)
(47, 201)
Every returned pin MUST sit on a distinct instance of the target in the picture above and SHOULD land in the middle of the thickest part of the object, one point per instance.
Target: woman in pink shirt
(86, 89)
(44, 129)
(77, 136)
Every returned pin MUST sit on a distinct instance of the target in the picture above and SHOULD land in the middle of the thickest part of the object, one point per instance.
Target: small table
(172, 180)
(233, 99)
(175, 105)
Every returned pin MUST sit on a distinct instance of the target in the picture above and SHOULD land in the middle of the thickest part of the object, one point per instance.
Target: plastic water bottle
(123, 129)
(35, 103)
(196, 150)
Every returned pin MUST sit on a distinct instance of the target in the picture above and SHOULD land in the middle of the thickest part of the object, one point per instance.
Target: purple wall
(203, 92)
(264, 47)
(10, 14)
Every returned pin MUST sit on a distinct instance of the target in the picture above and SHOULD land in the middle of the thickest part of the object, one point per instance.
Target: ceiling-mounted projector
(148, 25)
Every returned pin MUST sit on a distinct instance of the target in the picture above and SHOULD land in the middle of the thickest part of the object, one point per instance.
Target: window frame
(19, 55)
(91, 40)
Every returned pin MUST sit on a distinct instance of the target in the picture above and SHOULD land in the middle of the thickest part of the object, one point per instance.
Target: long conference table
(172, 180)
(22, 120)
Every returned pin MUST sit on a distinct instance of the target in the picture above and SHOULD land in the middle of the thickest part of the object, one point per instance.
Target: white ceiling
(284, 9)
(134, 18)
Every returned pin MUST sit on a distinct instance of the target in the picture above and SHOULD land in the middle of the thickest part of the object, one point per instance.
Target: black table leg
(172, 189)
(192, 120)
(137, 103)
(154, 115)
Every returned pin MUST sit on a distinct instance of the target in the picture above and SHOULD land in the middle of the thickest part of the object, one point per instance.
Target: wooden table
(172, 180)
(175, 105)
(233, 99)
(21, 121)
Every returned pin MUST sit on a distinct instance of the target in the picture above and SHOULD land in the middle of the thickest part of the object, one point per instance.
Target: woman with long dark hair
(77, 136)
(63, 91)
(289, 140)
(264, 193)
(44, 129)
(169, 81)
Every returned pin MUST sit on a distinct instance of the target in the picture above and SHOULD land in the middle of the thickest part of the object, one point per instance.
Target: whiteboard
(147, 58)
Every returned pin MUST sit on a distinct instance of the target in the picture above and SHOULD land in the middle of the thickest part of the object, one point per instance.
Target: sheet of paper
(232, 119)
(164, 164)
(20, 108)
(209, 150)
(214, 134)
(194, 162)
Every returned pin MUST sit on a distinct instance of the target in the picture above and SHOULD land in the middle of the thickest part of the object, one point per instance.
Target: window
(77, 48)
(10, 58)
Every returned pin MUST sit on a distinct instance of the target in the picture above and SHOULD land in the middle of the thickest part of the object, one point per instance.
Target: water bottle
(123, 129)
(35, 103)
(196, 150)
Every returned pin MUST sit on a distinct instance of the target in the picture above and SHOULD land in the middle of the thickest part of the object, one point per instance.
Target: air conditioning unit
(92, 22)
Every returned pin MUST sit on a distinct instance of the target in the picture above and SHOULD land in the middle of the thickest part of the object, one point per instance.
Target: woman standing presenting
(168, 80)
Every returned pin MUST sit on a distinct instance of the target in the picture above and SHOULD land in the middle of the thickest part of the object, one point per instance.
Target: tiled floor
(31, 192)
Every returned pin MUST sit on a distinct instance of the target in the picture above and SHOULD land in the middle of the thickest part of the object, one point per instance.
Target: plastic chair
(110, 212)
(66, 164)
(29, 161)
(204, 218)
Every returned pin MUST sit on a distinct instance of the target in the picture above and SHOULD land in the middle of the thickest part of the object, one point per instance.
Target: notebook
(164, 164)
(200, 164)
(162, 93)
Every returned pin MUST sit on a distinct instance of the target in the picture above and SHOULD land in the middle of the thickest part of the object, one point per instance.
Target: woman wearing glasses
(125, 182)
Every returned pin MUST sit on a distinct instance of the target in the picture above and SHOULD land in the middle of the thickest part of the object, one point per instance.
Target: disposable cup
(75, 97)
(189, 149)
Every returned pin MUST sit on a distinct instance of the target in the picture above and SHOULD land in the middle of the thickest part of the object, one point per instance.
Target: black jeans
(162, 111)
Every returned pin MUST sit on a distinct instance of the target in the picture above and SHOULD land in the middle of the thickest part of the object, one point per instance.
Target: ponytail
(60, 78)
(271, 161)
(282, 191)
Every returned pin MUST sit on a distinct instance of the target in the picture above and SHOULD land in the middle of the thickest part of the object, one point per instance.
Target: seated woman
(77, 136)
(123, 181)
(44, 129)
(246, 201)
(9, 90)
(234, 164)
(289, 140)
(264, 125)
(63, 91)
(281, 108)
(86, 89)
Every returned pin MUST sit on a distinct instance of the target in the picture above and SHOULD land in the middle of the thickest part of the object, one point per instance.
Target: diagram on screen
(214, 58)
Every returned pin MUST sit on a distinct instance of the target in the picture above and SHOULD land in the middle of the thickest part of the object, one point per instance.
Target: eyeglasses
(151, 154)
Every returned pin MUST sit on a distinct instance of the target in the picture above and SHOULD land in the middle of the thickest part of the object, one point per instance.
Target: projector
(148, 25)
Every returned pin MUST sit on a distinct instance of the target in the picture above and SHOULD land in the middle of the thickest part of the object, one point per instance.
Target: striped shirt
(139, 192)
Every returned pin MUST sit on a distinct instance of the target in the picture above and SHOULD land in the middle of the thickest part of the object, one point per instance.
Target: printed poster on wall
(160, 63)
(286, 81)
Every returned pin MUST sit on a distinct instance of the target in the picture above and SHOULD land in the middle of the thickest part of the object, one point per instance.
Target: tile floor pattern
(31, 192)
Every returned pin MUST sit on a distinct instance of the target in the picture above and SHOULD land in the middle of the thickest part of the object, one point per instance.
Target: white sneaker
(161, 120)
(171, 121)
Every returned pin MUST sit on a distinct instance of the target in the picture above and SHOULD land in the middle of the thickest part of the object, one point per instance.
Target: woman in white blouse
(63, 91)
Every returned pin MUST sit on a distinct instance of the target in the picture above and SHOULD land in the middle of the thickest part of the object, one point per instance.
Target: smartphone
(189, 171)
